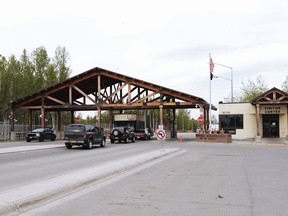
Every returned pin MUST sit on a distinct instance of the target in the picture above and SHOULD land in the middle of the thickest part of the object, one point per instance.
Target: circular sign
(161, 134)
(200, 120)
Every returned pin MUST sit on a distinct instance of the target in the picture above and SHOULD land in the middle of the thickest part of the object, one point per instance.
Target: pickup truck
(83, 135)
(142, 134)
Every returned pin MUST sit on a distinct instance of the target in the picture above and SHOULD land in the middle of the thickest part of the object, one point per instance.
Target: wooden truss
(100, 89)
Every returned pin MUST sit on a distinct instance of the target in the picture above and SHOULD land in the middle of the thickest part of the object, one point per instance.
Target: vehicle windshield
(38, 130)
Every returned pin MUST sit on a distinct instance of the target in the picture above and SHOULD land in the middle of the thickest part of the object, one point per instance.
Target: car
(83, 135)
(41, 134)
(143, 134)
(122, 134)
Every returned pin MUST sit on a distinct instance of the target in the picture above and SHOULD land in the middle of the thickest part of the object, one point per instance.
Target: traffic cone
(181, 139)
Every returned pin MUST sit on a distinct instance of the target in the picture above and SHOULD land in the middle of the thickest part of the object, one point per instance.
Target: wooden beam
(143, 98)
(115, 92)
(83, 93)
(55, 100)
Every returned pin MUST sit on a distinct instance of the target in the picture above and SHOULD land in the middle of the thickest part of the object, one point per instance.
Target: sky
(165, 42)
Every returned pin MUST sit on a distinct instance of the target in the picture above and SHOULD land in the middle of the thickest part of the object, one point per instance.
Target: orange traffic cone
(181, 139)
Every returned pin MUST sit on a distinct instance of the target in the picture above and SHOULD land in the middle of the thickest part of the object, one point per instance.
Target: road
(196, 179)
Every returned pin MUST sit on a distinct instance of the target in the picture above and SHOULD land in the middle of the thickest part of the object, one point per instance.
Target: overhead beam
(84, 94)
(55, 100)
(116, 91)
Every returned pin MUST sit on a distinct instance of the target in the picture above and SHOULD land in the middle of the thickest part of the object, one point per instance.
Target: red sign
(200, 120)
(161, 134)
(78, 120)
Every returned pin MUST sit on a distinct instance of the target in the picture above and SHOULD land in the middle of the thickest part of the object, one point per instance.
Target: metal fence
(22, 129)
(5, 130)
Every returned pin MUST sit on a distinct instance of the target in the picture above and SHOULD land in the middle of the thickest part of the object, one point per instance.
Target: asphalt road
(198, 179)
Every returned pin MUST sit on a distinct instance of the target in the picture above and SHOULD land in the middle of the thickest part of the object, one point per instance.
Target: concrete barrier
(218, 138)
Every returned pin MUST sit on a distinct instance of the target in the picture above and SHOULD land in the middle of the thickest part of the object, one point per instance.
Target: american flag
(211, 68)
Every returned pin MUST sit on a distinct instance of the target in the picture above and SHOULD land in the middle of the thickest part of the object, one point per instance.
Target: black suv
(41, 134)
(122, 134)
(83, 135)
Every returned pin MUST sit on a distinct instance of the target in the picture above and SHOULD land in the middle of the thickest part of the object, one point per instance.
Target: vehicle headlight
(37, 134)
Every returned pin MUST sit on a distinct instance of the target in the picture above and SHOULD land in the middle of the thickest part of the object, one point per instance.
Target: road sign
(200, 120)
(161, 134)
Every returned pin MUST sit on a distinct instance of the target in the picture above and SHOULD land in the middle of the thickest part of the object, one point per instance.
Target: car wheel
(53, 138)
(126, 139)
(133, 139)
(68, 145)
(103, 142)
(28, 140)
(116, 132)
(112, 141)
(41, 139)
(90, 144)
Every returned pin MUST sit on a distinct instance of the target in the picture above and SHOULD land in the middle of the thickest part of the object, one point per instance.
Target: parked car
(122, 134)
(41, 134)
(143, 134)
(83, 135)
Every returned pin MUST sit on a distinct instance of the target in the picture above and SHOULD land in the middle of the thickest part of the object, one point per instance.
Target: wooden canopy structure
(100, 89)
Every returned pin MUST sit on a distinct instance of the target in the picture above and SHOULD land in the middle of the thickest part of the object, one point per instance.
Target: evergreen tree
(27, 74)
(30, 74)
(41, 61)
(60, 60)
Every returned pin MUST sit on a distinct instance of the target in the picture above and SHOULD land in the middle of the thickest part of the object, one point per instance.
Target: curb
(19, 149)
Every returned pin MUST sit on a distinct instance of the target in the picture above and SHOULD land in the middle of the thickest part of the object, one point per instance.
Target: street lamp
(232, 99)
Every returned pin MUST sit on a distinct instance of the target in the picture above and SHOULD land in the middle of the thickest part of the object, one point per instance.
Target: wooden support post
(258, 119)
(72, 120)
(58, 121)
(30, 120)
(161, 109)
(99, 117)
(12, 118)
(43, 113)
(110, 120)
(70, 95)
(161, 114)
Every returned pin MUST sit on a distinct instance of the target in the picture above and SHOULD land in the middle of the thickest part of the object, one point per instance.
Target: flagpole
(210, 59)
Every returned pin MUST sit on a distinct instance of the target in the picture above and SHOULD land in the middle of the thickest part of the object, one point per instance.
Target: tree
(27, 75)
(60, 60)
(252, 89)
(41, 61)
(30, 74)
(4, 86)
(183, 119)
(285, 85)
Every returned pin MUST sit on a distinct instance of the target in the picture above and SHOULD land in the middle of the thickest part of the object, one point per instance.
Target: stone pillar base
(59, 135)
(13, 136)
(168, 134)
(258, 139)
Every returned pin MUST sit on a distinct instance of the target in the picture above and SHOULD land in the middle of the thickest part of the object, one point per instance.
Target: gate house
(265, 117)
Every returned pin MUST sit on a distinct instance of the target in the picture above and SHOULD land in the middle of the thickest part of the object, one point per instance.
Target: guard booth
(130, 120)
